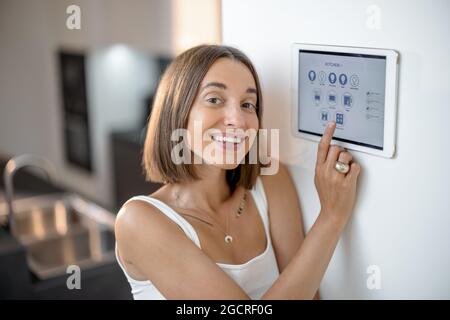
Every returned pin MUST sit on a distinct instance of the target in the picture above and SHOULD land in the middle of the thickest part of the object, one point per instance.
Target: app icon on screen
(332, 98)
(332, 77)
(339, 118)
(347, 100)
(343, 79)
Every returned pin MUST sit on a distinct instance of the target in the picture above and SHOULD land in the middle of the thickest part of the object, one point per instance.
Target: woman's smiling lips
(229, 142)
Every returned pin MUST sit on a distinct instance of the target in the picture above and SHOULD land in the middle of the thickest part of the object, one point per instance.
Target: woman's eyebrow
(224, 87)
(252, 90)
(215, 84)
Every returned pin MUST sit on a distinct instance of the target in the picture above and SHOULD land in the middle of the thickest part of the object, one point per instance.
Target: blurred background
(75, 95)
(76, 87)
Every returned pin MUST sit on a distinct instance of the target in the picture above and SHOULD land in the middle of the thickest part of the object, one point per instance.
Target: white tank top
(255, 276)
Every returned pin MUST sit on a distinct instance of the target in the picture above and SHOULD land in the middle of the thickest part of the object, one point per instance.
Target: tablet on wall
(355, 87)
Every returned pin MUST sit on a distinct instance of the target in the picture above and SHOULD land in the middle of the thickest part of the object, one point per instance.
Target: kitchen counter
(104, 281)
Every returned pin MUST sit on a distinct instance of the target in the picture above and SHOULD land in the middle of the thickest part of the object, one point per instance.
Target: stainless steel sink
(85, 248)
(63, 229)
(57, 230)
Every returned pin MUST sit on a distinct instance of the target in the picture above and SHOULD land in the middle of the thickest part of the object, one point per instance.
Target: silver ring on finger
(342, 167)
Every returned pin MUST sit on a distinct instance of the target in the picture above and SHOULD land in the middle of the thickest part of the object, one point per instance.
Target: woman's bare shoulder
(138, 210)
(157, 249)
(141, 222)
(139, 215)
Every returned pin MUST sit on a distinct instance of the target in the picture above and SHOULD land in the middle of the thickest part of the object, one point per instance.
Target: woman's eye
(249, 105)
(213, 100)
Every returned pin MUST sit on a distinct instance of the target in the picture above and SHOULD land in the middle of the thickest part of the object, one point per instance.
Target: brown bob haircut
(174, 98)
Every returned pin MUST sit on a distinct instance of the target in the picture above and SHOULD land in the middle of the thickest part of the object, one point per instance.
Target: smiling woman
(218, 229)
(196, 89)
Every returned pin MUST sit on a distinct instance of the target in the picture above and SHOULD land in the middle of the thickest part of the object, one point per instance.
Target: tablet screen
(347, 88)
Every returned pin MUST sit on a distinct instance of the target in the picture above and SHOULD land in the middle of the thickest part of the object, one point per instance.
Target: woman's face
(223, 120)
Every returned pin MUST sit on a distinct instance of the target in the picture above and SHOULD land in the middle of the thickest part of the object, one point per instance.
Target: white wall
(401, 221)
(31, 32)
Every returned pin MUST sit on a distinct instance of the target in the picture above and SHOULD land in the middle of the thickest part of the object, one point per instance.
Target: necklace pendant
(228, 239)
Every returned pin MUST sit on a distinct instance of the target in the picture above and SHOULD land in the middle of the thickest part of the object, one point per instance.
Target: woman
(218, 229)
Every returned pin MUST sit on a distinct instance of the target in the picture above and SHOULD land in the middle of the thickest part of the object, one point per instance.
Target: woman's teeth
(227, 139)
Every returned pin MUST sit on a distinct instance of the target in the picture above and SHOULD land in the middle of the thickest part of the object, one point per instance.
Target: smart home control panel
(355, 87)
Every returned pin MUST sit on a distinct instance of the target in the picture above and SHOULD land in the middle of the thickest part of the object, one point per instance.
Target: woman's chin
(228, 166)
(222, 164)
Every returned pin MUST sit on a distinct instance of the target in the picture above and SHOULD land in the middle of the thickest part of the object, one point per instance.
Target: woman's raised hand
(336, 190)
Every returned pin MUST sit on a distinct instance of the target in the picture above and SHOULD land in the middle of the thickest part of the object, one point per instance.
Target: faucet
(12, 166)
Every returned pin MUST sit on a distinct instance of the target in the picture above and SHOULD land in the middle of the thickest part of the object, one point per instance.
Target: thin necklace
(228, 238)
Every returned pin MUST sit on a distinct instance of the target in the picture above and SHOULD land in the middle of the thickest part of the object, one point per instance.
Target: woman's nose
(234, 116)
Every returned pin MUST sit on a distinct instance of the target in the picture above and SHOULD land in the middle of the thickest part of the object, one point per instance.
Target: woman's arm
(301, 278)
(160, 250)
(285, 216)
